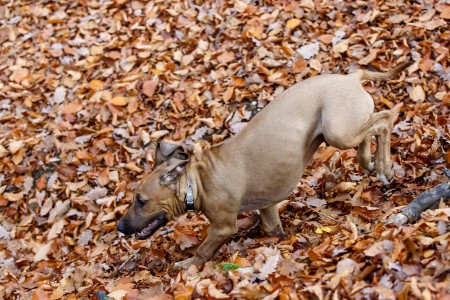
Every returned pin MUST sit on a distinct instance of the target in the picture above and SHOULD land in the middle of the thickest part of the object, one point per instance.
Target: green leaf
(226, 266)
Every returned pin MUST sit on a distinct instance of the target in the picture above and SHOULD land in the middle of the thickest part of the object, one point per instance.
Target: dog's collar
(189, 197)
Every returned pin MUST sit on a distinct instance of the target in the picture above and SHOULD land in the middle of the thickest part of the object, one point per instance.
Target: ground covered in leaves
(87, 88)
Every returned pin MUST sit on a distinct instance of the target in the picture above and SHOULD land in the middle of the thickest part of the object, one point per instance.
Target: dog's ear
(176, 159)
(166, 151)
(175, 167)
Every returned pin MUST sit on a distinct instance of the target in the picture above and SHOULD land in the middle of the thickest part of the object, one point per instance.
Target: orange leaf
(386, 102)
(292, 23)
(242, 262)
(85, 155)
(119, 101)
(96, 85)
(71, 108)
(299, 66)
(228, 94)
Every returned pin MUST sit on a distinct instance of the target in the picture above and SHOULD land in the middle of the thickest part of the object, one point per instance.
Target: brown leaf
(226, 57)
(326, 38)
(149, 88)
(299, 66)
(445, 13)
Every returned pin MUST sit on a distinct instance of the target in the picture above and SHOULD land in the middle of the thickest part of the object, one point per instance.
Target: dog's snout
(120, 226)
(125, 227)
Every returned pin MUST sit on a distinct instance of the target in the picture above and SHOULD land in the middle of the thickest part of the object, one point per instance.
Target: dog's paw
(277, 232)
(185, 264)
(384, 179)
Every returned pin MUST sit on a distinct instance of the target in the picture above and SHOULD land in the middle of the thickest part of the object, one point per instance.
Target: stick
(165, 232)
(127, 260)
(222, 27)
(427, 200)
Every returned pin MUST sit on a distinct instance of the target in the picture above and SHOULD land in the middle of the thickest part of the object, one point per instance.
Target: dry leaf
(119, 101)
(42, 251)
(55, 230)
(228, 94)
(416, 93)
(445, 13)
(71, 108)
(96, 85)
(292, 23)
(149, 88)
(15, 146)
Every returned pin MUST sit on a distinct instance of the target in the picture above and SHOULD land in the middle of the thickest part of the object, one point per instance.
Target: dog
(262, 164)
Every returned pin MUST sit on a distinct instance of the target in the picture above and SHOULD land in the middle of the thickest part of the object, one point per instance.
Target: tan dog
(263, 163)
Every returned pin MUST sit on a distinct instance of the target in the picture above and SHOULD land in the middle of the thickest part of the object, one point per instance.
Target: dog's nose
(120, 226)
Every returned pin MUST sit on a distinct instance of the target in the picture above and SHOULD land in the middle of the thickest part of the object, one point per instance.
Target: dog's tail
(375, 76)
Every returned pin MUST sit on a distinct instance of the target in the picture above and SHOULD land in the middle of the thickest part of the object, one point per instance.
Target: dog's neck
(186, 193)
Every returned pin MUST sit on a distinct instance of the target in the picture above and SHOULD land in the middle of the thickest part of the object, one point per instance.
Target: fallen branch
(427, 200)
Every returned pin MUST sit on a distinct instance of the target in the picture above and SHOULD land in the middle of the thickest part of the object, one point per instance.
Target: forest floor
(87, 88)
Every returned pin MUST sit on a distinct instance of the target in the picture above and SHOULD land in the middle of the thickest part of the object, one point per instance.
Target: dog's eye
(139, 201)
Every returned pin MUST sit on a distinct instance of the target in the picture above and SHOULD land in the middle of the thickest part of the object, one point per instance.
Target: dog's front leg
(364, 156)
(219, 231)
(271, 223)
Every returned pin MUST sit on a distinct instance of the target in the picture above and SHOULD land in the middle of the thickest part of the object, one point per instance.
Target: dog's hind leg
(270, 221)
(381, 127)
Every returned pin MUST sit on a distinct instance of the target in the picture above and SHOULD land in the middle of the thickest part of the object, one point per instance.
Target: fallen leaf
(96, 85)
(416, 93)
(41, 253)
(149, 88)
(119, 101)
(228, 94)
(55, 230)
(445, 13)
(292, 23)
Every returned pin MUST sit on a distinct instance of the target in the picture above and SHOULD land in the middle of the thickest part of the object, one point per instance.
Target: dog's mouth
(156, 222)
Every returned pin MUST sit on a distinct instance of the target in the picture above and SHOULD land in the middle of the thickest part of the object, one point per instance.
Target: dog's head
(156, 199)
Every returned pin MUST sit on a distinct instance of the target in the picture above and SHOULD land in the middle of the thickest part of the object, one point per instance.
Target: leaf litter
(87, 88)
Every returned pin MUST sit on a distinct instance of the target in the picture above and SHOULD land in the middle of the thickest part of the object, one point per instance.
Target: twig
(316, 211)
(127, 260)
(165, 232)
(222, 27)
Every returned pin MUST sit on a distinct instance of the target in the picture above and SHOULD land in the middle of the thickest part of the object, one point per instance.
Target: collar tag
(189, 198)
